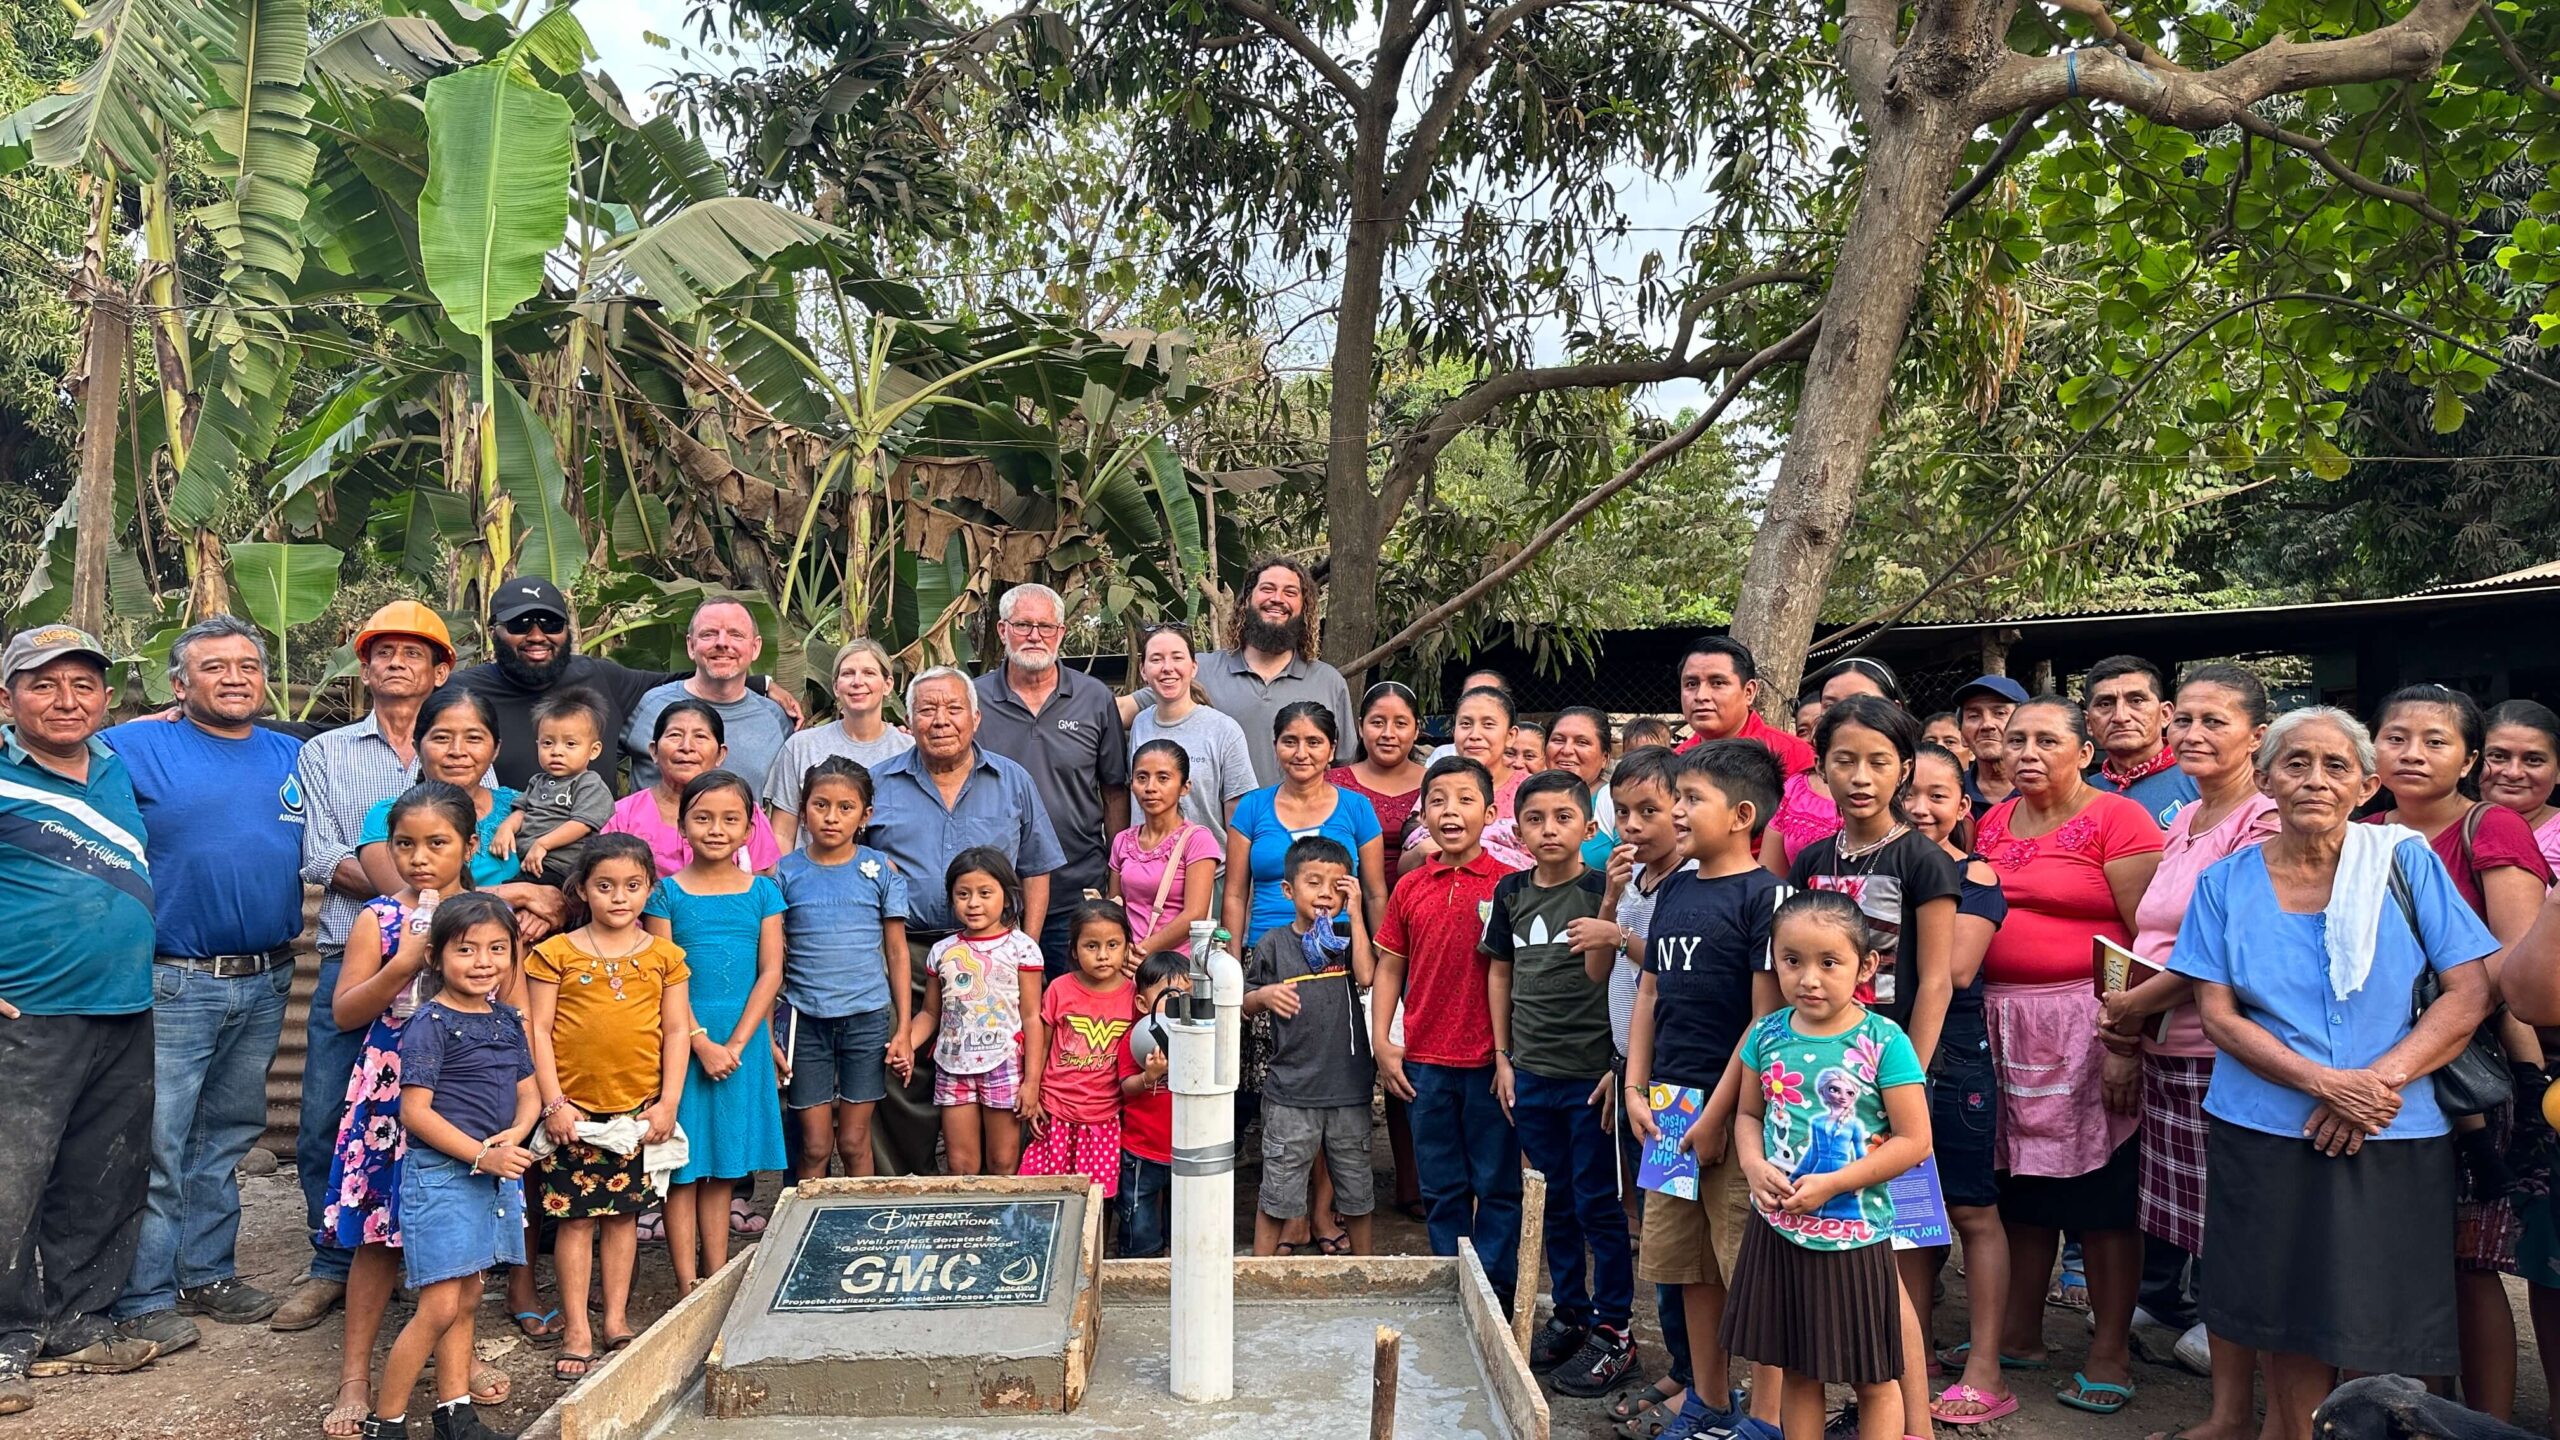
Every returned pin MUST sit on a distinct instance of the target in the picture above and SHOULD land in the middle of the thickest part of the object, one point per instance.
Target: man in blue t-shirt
(75, 1018)
(2128, 704)
(224, 811)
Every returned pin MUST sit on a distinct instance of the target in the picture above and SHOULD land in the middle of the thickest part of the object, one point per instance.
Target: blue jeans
(1468, 1159)
(1146, 1206)
(328, 1062)
(1560, 1133)
(213, 1042)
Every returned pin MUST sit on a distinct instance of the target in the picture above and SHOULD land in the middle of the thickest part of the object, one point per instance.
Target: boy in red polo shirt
(1430, 955)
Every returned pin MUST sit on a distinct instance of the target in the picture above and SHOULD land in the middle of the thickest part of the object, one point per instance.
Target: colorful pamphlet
(1667, 1166)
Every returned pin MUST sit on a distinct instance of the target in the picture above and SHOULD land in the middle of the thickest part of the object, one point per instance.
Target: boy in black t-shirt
(1706, 979)
(1551, 1067)
(1308, 976)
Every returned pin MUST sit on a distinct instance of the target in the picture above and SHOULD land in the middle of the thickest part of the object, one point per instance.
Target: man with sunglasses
(529, 622)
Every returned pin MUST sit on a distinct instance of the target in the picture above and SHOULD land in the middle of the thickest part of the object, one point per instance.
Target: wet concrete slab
(1302, 1369)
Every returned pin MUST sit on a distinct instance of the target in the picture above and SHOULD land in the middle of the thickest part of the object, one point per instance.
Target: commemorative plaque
(919, 1295)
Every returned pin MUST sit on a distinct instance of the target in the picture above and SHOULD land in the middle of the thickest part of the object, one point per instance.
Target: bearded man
(1063, 727)
(1270, 663)
(536, 655)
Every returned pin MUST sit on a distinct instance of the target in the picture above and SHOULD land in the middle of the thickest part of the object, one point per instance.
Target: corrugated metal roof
(2545, 572)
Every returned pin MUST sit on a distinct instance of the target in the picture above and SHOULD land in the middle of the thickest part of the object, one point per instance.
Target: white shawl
(2358, 895)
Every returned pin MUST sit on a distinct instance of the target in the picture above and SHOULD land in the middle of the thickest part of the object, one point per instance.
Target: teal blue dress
(732, 1127)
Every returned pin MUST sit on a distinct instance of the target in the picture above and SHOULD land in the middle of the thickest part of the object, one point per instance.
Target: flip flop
(2112, 1398)
(1338, 1243)
(560, 1368)
(2070, 1290)
(652, 1226)
(1635, 1400)
(613, 1343)
(1994, 1406)
(1954, 1358)
(542, 1332)
(743, 1220)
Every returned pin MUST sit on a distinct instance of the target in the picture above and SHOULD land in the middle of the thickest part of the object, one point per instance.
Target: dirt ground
(250, 1383)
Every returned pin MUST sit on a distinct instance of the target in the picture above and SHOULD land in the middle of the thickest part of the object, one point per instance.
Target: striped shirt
(345, 773)
(72, 872)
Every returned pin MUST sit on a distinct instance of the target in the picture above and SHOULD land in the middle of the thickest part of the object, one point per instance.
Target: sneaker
(110, 1354)
(231, 1301)
(1695, 1420)
(1843, 1424)
(17, 1392)
(462, 1422)
(1554, 1345)
(167, 1331)
(2195, 1352)
(310, 1303)
(1606, 1361)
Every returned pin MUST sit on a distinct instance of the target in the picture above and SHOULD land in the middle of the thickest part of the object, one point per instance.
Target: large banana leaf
(259, 52)
(345, 422)
(499, 151)
(390, 52)
(713, 246)
(662, 163)
(245, 391)
(18, 131)
(529, 468)
(1181, 512)
(148, 74)
(282, 586)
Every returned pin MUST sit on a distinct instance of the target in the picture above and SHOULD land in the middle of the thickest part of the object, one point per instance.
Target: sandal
(743, 1220)
(345, 1421)
(1993, 1406)
(1413, 1210)
(652, 1226)
(561, 1372)
(1285, 1249)
(1635, 1400)
(1337, 1243)
(540, 1328)
(613, 1343)
(2098, 1397)
(489, 1384)
(2070, 1290)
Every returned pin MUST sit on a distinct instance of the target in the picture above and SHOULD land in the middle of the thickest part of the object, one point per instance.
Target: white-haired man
(1063, 726)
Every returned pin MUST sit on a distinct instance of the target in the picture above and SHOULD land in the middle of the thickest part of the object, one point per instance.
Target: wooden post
(1533, 1256)
(104, 330)
(1382, 1384)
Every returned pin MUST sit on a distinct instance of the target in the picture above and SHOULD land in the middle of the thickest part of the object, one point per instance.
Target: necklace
(1848, 855)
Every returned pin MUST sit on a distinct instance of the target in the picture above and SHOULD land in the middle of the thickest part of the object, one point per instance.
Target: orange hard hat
(406, 617)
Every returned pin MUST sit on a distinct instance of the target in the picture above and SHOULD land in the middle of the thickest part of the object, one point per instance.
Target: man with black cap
(529, 624)
(1982, 705)
(75, 1019)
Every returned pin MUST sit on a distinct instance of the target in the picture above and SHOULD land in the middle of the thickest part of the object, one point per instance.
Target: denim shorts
(453, 1222)
(844, 1059)
(1964, 1115)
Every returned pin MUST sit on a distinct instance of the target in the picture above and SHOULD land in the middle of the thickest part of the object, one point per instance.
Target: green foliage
(499, 151)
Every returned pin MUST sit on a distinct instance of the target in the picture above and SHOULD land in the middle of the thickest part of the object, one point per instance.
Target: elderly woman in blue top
(2329, 1223)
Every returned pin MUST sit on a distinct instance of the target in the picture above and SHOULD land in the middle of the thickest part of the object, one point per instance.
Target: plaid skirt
(2173, 1145)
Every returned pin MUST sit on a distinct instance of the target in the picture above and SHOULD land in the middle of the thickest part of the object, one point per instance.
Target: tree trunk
(105, 334)
(1354, 531)
(1910, 168)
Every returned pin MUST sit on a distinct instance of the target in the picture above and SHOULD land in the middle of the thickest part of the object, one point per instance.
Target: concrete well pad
(1302, 1370)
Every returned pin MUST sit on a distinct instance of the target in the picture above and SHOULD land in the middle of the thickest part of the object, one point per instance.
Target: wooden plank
(1532, 1257)
(1383, 1367)
(628, 1394)
(1515, 1390)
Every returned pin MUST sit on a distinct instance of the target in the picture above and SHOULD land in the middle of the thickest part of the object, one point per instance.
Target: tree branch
(1280, 27)
(2515, 55)
(2007, 150)
(1420, 448)
(2348, 176)
(1866, 49)
(1307, 129)
(1468, 52)
(2411, 46)
(1794, 346)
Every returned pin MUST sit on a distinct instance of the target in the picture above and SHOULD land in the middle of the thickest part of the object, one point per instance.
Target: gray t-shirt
(754, 727)
(1635, 915)
(549, 801)
(1075, 748)
(1236, 688)
(1320, 1056)
(1221, 765)
(825, 742)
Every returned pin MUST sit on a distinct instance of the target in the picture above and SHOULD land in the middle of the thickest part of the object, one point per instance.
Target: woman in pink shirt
(2152, 1034)
(2519, 766)
(2073, 862)
(1805, 809)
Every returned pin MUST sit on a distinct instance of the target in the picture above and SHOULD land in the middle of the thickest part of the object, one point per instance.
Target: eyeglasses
(1037, 629)
(530, 622)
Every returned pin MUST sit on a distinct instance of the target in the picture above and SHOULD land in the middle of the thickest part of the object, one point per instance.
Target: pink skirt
(1077, 1147)
(2054, 1121)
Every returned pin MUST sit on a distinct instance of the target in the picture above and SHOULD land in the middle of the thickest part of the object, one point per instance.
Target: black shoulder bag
(2476, 1080)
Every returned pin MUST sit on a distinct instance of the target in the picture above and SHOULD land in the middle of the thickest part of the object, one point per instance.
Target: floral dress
(363, 1205)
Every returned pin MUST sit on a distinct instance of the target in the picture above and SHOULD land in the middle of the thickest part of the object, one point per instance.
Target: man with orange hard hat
(403, 653)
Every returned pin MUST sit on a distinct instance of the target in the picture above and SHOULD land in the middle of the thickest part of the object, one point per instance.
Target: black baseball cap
(526, 595)
(2000, 685)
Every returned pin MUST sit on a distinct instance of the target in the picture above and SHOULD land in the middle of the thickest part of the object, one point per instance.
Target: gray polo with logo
(1073, 748)
(1238, 691)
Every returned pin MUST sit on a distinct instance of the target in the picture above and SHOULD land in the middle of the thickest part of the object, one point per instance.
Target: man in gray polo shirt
(1063, 726)
(723, 642)
(1270, 663)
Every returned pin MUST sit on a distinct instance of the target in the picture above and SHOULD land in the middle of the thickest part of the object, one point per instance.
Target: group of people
(561, 1009)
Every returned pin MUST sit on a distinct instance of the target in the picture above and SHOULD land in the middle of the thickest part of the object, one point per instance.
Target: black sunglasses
(531, 621)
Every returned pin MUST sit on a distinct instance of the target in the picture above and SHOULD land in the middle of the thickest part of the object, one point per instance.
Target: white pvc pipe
(1201, 1072)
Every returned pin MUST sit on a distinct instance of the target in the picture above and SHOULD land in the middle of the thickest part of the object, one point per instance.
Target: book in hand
(2114, 968)
(1668, 1166)
(1920, 1208)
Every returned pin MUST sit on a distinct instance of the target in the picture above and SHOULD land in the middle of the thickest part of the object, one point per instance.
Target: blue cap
(2000, 685)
